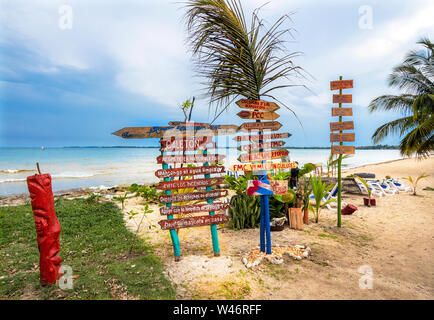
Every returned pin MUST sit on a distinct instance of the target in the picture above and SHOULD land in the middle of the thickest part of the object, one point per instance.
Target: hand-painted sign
(340, 126)
(279, 186)
(342, 98)
(260, 156)
(264, 145)
(193, 221)
(194, 208)
(257, 105)
(342, 137)
(258, 115)
(193, 196)
(259, 126)
(343, 150)
(346, 112)
(223, 127)
(263, 166)
(341, 84)
(195, 183)
(189, 171)
(188, 143)
(190, 158)
(258, 188)
(263, 137)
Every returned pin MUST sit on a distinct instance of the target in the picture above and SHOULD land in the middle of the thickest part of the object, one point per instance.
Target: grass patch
(94, 243)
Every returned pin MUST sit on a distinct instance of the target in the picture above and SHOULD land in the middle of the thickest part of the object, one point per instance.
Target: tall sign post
(340, 126)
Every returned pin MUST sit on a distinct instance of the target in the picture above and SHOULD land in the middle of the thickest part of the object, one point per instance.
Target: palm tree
(415, 77)
(237, 59)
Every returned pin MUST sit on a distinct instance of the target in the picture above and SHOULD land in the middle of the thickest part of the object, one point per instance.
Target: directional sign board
(342, 98)
(264, 145)
(259, 126)
(193, 221)
(341, 84)
(257, 105)
(169, 131)
(262, 137)
(187, 143)
(190, 158)
(346, 112)
(342, 137)
(340, 126)
(195, 183)
(260, 156)
(263, 166)
(343, 150)
(193, 196)
(258, 115)
(194, 208)
(189, 171)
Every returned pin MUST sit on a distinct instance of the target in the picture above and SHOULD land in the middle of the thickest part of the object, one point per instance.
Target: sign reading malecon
(340, 126)
(193, 196)
(193, 221)
(194, 208)
(195, 183)
(258, 115)
(343, 149)
(260, 156)
(257, 138)
(259, 126)
(339, 112)
(342, 137)
(189, 171)
(257, 105)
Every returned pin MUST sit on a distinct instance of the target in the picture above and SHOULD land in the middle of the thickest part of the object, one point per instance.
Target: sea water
(105, 167)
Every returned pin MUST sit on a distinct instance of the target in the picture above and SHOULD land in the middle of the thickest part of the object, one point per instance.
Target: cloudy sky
(73, 71)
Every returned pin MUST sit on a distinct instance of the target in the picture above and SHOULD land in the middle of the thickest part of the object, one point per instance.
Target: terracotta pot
(306, 216)
(366, 201)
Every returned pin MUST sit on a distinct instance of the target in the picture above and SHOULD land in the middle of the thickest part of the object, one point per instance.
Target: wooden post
(340, 172)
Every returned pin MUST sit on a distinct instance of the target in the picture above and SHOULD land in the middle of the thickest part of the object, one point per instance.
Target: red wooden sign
(257, 105)
(340, 126)
(190, 158)
(189, 171)
(193, 196)
(342, 98)
(256, 138)
(194, 208)
(264, 145)
(184, 144)
(346, 112)
(259, 126)
(268, 155)
(341, 84)
(195, 183)
(343, 149)
(193, 221)
(258, 115)
(342, 137)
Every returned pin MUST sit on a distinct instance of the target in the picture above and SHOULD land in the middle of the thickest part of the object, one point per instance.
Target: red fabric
(349, 209)
(47, 226)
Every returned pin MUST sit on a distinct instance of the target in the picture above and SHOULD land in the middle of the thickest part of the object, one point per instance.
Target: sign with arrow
(263, 166)
(194, 208)
(257, 138)
(187, 143)
(193, 221)
(189, 171)
(195, 183)
(259, 146)
(258, 115)
(193, 196)
(190, 158)
(257, 105)
(259, 126)
(261, 156)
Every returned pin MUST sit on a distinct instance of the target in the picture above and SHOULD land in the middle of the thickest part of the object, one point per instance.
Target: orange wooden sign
(259, 126)
(342, 98)
(258, 115)
(190, 158)
(268, 155)
(256, 138)
(342, 137)
(265, 145)
(340, 126)
(263, 166)
(188, 171)
(343, 149)
(257, 105)
(341, 84)
(346, 112)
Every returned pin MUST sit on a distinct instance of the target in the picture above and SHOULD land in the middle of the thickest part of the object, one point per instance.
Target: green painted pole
(340, 173)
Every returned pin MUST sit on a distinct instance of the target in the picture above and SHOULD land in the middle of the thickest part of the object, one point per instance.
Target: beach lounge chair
(374, 191)
(383, 188)
(398, 184)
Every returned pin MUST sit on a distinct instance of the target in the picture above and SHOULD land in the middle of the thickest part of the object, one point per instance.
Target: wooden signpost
(260, 126)
(257, 105)
(266, 155)
(258, 115)
(341, 126)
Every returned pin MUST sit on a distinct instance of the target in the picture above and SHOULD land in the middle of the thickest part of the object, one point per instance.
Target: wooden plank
(175, 131)
(343, 149)
(187, 143)
(207, 125)
(258, 115)
(256, 138)
(195, 183)
(189, 171)
(279, 186)
(342, 98)
(193, 221)
(190, 158)
(257, 105)
(264, 145)
(344, 112)
(186, 123)
(201, 207)
(340, 126)
(260, 156)
(263, 166)
(193, 196)
(341, 84)
(342, 137)
(259, 126)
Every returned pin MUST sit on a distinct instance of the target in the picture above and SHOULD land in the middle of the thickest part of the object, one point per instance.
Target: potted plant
(367, 201)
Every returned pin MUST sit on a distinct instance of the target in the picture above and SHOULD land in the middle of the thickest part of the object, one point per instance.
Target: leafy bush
(244, 211)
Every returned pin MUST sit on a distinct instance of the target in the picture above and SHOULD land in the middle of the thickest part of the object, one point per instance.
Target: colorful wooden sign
(201, 207)
(195, 183)
(343, 149)
(340, 126)
(258, 115)
(264, 145)
(187, 143)
(279, 186)
(263, 166)
(259, 126)
(222, 127)
(261, 156)
(341, 84)
(257, 105)
(193, 221)
(257, 138)
(193, 196)
(342, 98)
(342, 137)
(189, 171)
(190, 158)
(342, 112)
(258, 188)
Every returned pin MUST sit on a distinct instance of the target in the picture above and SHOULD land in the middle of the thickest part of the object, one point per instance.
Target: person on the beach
(294, 177)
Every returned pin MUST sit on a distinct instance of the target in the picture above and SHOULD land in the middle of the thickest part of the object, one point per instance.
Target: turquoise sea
(105, 167)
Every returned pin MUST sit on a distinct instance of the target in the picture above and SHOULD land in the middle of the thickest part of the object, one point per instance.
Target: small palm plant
(319, 190)
(414, 182)
(367, 188)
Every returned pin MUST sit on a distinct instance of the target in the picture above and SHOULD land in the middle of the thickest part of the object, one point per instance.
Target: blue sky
(125, 63)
